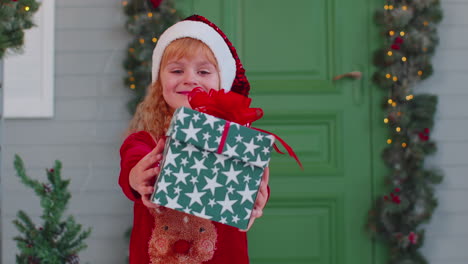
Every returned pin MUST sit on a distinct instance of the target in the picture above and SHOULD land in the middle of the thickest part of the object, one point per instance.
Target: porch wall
(447, 235)
(85, 133)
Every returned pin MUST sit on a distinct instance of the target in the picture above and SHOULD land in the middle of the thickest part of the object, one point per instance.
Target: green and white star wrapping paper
(195, 179)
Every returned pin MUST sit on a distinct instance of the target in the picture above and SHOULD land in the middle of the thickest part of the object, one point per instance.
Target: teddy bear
(178, 237)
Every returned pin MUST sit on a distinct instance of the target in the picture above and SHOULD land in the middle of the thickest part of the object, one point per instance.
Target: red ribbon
(233, 107)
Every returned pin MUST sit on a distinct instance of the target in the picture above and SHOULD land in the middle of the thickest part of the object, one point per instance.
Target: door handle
(357, 87)
(354, 75)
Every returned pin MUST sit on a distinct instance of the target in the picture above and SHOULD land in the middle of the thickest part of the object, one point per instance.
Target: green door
(291, 51)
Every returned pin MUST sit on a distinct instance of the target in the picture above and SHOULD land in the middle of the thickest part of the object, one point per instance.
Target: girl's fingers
(147, 202)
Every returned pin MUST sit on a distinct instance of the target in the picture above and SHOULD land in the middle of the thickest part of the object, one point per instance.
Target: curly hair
(153, 114)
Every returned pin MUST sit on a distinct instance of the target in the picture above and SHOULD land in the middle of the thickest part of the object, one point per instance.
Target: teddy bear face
(181, 238)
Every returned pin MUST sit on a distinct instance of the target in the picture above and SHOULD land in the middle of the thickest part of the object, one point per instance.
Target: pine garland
(410, 38)
(146, 21)
(56, 241)
(15, 17)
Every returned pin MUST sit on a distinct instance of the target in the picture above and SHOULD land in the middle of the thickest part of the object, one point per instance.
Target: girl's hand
(142, 175)
(262, 198)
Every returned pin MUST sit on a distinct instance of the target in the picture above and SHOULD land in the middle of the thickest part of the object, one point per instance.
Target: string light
(403, 58)
(132, 79)
(388, 75)
(390, 101)
(425, 23)
(130, 73)
(409, 97)
(131, 50)
(385, 7)
(173, 11)
(124, 3)
(391, 32)
(404, 8)
(389, 141)
(398, 129)
(385, 120)
(395, 78)
(390, 7)
(132, 86)
(403, 144)
(390, 53)
(394, 104)
(399, 114)
(150, 14)
(424, 49)
(154, 40)
(26, 8)
(402, 33)
(142, 41)
(420, 73)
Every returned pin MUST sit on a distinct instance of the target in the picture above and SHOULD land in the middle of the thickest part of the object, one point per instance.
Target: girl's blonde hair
(153, 114)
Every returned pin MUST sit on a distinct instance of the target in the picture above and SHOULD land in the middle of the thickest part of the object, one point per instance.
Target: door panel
(291, 51)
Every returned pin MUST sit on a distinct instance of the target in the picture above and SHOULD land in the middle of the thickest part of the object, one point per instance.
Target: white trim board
(29, 77)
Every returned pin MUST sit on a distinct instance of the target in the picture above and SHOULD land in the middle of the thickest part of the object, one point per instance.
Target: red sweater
(231, 245)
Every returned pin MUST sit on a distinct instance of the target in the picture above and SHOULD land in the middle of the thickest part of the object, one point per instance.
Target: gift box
(212, 168)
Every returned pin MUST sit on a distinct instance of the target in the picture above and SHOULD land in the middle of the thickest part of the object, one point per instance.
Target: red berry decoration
(413, 238)
(398, 40)
(395, 47)
(424, 136)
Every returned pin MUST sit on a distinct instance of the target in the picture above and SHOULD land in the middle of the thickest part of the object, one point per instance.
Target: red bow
(229, 106)
(232, 107)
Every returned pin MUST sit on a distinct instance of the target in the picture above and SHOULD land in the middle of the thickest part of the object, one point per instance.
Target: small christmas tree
(56, 241)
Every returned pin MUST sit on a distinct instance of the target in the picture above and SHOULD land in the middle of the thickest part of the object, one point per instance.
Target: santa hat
(232, 73)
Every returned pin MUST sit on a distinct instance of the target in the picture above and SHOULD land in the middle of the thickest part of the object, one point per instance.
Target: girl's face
(180, 76)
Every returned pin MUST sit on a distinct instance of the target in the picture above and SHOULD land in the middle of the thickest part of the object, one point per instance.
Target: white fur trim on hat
(206, 34)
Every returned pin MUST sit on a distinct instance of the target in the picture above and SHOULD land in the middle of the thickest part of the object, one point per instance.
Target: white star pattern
(231, 151)
(259, 137)
(212, 202)
(199, 165)
(167, 171)
(266, 150)
(218, 140)
(212, 184)
(220, 159)
(215, 170)
(190, 149)
(239, 138)
(196, 117)
(187, 210)
(250, 147)
(202, 214)
(205, 153)
(194, 180)
(259, 162)
(206, 136)
(162, 185)
(176, 143)
(232, 175)
(183, 161)
(247, 194)
(223, 220)
(235, 219)
(170, 158)
(195, 196)
(181, 116)
(230, 189)
(247, 217)
(210, 120)
(220, 129)
(191, 132)
(227, 204)
(181, 175)
(172, 203)
(247, 178)
(177, 190)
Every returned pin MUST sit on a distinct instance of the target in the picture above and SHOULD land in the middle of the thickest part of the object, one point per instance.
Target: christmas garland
(146, 21)
(15, 17)
(410, 38)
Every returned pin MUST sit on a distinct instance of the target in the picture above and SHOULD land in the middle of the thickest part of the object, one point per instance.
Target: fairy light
(130, 73)
(403, 59)
(389, 53)
(424, 49)
(402, 33)
(131, 50)
(390, 7)
(390, 101)
(389, 141)
(398, 129)
(420, 73)
(132, 79)
(404, 8)
(142, 41)
(385, 7)
(385, 120)
(395, 78)
(403, 144)
(150, 14)
(132, 86)
(124, 3)
(154, 40)
(394, 104)
(409, 97)
(426, 23)
(391, 32)
(388, 75)
(26, 8)
(398, 113)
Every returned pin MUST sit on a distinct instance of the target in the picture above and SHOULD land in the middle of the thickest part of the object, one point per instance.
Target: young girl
(192, 53)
